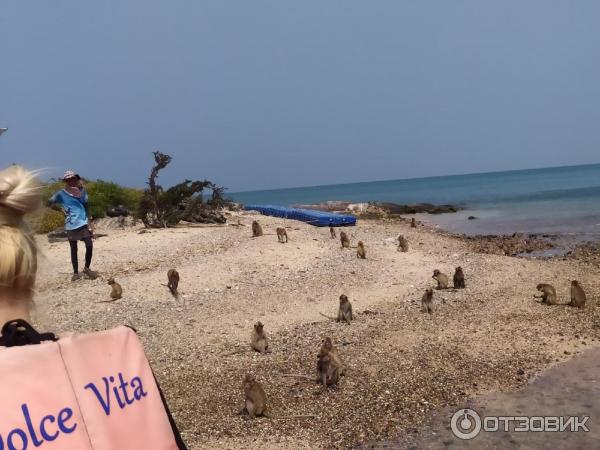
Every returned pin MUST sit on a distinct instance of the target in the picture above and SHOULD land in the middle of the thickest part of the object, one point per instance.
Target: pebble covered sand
(401, 365)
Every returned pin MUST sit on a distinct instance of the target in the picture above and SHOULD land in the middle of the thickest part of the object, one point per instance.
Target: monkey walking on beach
(441, 278)
(116, 291)
(402, 244)
(173, 277)
(259, 339)
(427, 301)
(281, 234)
(332, 232)
(256, 229)
(360, 250)
(344, 239)
(413, 223)
(578, 298)
(548, 293)
(459, 278)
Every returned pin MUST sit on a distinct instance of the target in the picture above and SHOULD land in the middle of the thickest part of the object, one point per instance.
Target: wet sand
(571, 388)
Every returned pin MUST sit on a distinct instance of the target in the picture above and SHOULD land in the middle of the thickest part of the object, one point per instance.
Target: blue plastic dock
(311, 216)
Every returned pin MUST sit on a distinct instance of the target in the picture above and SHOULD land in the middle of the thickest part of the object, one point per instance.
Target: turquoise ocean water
(563, 200)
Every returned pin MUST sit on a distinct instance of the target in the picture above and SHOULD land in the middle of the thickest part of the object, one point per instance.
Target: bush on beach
(103, 195)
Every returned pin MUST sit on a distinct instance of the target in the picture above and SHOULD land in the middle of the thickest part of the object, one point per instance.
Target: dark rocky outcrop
(417, 208)
(512, 245)
(386, 208)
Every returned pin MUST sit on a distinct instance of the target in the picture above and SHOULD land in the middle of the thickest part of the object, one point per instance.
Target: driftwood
(61, 236)
(182, 202)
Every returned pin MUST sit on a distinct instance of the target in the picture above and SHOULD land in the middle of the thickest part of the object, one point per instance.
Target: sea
(555, 200)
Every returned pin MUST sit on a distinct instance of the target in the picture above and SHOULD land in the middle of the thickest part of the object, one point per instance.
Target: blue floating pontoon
(311, 216)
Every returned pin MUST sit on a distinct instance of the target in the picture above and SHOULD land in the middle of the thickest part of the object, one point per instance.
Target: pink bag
(83, 392)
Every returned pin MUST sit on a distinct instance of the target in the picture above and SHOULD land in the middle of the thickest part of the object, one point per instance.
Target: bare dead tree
(159, 208)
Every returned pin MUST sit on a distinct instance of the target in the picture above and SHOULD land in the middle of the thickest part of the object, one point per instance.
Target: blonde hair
(20, 193)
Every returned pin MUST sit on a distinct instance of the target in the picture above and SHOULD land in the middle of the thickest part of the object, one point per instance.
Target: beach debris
(182, 202)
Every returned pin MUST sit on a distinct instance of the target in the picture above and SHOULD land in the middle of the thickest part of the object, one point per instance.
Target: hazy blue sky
(263, 94)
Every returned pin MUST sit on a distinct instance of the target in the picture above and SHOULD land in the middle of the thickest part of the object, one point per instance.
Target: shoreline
(458, 219)
(536, 244)
(402, 365)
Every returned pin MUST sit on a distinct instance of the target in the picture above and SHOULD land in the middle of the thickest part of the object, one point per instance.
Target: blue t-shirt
(74, 207)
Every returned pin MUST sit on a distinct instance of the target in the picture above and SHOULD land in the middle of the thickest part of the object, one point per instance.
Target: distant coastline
(556, 200)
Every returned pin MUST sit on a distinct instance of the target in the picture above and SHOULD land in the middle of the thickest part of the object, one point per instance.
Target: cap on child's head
(69, 174)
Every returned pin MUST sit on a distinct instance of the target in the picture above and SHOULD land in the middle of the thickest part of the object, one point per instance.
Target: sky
(268, 94)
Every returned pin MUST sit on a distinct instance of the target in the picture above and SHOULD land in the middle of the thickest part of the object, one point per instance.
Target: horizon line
(413, 178)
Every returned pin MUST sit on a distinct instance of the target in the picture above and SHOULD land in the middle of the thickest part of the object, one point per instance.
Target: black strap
(19, 332)
(178, 438)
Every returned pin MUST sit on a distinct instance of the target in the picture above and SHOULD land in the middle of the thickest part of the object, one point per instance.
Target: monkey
(329, 364)
(413, 223)
(427, 301)
(259, 339)
(256, 229)
(344, 239)
(116, 292)
(459, 278)
(281, 233)
(578, 298)
(332, 232)
(548, 295)
(173, 277)
(345, 310)
(402, 244)
(327, 345)
(441, 278)
(360, 251)
(327, 370)
(255, 399)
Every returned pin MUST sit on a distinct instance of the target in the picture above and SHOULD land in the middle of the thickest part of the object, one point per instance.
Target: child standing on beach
(73, 202)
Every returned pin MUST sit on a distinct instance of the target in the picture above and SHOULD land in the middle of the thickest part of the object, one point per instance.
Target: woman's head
(19, 194)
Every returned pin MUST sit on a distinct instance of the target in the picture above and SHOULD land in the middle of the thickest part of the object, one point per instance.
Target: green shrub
(102, 196)
(47, 220)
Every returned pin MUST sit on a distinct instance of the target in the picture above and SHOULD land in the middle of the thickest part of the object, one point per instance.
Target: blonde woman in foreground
(19, 195)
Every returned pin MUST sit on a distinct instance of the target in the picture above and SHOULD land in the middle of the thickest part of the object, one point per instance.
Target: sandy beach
(403, 366)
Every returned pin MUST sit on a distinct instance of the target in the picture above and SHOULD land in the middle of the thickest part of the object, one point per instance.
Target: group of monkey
(116, 291)
(361, 253)
(257, 231)
(548, 295)
(329, 363)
